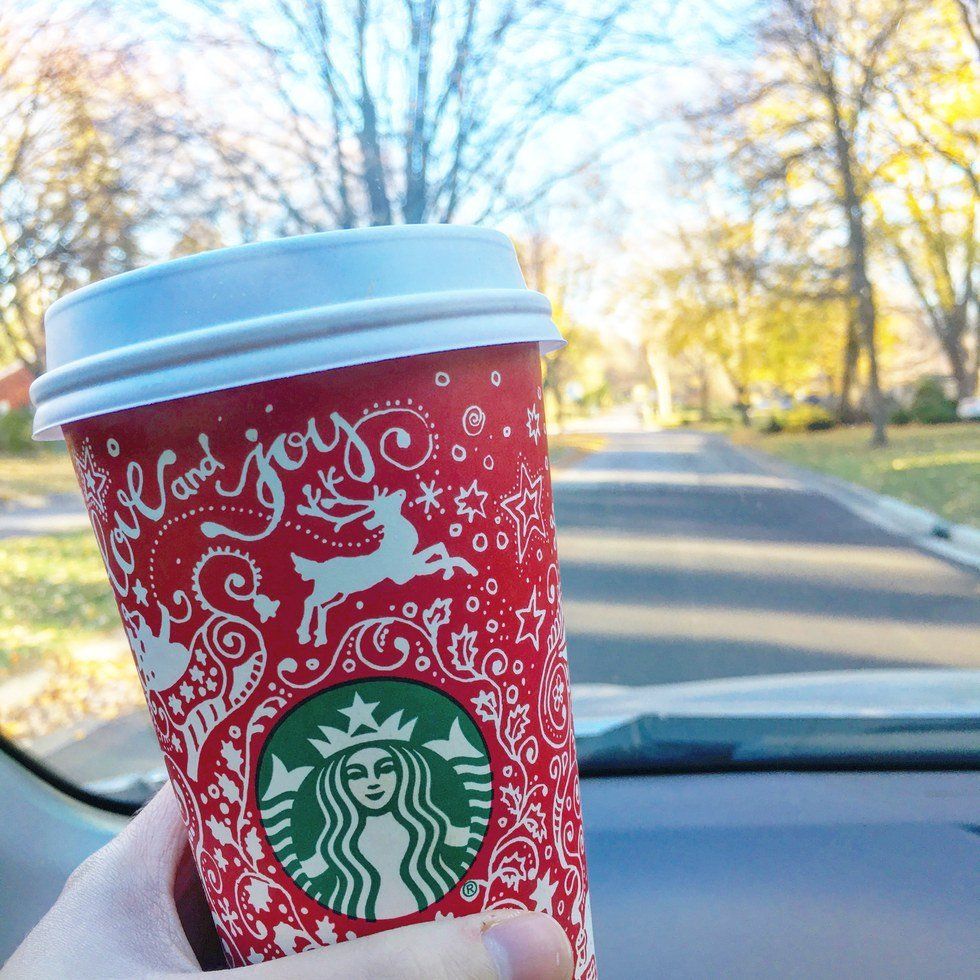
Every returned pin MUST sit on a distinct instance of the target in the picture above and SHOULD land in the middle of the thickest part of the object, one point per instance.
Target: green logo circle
(375, 796)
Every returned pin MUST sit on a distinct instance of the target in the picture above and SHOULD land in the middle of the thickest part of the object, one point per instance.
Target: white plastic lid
(277, 309)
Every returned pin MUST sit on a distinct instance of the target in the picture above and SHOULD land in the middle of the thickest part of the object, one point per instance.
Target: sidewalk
(958, 543)
(58, 513)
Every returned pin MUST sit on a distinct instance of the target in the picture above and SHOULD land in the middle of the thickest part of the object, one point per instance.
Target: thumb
(503, 945)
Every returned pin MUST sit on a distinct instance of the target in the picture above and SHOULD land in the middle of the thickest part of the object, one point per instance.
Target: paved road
(683, 560)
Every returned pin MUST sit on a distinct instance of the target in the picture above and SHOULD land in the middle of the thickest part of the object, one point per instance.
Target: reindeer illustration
(161, 661)
(396, 557)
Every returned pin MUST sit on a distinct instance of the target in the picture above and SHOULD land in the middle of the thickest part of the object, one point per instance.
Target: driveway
(682, 560)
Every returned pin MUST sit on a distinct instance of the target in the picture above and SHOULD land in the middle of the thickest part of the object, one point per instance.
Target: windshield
(757, 225)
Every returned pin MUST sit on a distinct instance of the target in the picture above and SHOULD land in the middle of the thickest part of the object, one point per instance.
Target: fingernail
(528, 946)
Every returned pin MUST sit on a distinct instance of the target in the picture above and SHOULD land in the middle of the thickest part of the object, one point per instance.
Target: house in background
(15, 383)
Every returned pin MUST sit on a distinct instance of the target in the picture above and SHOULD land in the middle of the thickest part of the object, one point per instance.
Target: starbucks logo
(375, 796)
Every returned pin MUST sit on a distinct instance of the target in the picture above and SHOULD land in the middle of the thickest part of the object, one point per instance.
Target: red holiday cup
(318, 475)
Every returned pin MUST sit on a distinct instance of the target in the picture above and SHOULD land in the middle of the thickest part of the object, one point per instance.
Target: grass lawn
(29, 479)
(53, 595)
(933, 466)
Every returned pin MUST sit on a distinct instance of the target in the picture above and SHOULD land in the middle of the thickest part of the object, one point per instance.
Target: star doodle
(429, 497)
(186, 691)
(175, 706)
(470, 502)
(544, 893)
(524, 507)
(93, 479)
(361, 714)
(531, 617)
(533, 424)
(139, 592)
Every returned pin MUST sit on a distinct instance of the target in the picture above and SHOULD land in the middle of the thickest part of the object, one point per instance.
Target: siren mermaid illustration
(386, 842)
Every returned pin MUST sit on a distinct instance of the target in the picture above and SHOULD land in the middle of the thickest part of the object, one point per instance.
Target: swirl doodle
(474, 420)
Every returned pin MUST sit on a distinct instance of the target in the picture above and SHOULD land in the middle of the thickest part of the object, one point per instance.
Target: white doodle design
(474, 418)
(524, 506)
(534, 424)
(470, 502)
(160, 660)
(429, 497)
(396, 557)
(92, 478)
(530, 618)
(216, 694)
(228, 650)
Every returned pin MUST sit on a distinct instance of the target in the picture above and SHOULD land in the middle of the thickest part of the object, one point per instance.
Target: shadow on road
(680, 563)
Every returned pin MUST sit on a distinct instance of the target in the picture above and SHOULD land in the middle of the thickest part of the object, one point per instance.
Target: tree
(386, 111)
(86, 152)
(737, 296)
(809, 109)
(582, 365)
(928, 199)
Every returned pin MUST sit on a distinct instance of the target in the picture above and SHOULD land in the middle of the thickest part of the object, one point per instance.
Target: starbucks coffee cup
(317, 472)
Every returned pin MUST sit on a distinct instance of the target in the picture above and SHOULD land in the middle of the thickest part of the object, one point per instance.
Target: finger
(507, 945)
(115, 916)
(138, 874)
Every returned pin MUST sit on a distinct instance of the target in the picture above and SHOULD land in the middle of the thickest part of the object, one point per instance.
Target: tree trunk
(852, 348)
(742, 405)
(660, 373)
(857, 271)
(951, 338)
(704, 393)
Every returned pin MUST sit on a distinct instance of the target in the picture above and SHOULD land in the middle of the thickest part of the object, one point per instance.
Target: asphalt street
(683, 559)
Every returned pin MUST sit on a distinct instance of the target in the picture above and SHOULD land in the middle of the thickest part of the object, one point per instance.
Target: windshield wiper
(672, 744)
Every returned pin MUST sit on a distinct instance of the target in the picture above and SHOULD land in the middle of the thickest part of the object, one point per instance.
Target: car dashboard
(784, 874)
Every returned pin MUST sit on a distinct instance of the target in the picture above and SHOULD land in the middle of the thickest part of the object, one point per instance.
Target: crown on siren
(361, 716)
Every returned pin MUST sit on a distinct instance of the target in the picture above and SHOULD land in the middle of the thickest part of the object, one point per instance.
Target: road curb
(959, 543)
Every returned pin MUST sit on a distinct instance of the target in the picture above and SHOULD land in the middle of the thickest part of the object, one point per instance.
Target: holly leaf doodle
(232, 756)
(220, 831)
(485, 704)
(258, 894)
(284, 936)
(326, 932)
(253, 845)
(514, 870)
(533, 822)
(437, 615)
(512, 798)
(517, 723)
(463, 649)
(229, 788)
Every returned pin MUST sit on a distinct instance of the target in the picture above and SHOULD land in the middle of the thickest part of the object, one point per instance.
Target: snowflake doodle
(429, 497)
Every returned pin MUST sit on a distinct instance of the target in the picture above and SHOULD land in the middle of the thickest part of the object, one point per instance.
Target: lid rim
(54, 412)
(334, 320)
